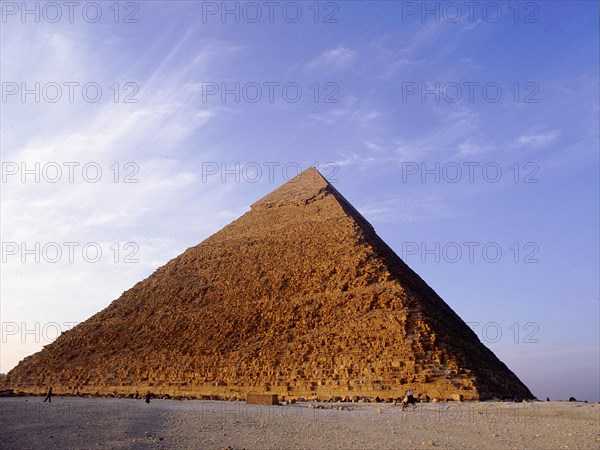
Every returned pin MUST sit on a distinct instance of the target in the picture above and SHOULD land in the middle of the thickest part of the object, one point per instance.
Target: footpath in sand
(72, 423)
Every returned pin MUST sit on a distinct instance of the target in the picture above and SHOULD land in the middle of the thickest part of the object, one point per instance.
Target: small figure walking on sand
(137, 395)
(49, 395)
(148, 397)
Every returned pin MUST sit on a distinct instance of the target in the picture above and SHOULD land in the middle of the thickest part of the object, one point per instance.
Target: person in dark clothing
(148, 397)
(49, 395)
(137, 394)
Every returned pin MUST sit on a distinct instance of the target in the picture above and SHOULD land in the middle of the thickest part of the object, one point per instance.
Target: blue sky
(457, 134)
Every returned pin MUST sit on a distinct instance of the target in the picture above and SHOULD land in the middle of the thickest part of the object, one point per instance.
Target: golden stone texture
(298, 297)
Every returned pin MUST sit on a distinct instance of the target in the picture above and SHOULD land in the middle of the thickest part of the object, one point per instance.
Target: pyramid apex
(304, 188)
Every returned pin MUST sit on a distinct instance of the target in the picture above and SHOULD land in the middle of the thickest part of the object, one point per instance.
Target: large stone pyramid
(298, 297)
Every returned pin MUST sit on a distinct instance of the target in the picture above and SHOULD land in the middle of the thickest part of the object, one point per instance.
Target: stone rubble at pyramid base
(449, 390)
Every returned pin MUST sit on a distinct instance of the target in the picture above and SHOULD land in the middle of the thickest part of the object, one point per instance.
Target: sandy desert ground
(74, 423)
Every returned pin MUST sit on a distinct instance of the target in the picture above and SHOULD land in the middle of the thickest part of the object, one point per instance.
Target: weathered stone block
(254, 398)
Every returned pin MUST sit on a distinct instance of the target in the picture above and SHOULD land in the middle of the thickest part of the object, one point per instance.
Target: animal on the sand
(408, 401)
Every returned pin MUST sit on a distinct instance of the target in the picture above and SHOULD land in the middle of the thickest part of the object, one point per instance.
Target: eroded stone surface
(298, 297)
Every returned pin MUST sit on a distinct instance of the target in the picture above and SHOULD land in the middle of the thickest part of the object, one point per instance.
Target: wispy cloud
(354, 159)
(537, 140)
(406, 210)
(471, 25)
(349, 110)
(333, 60)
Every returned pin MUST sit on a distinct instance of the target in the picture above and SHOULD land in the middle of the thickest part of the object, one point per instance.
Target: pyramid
(298, 297)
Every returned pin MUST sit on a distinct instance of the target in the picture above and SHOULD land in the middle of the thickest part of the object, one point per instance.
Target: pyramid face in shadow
(298, 297)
